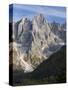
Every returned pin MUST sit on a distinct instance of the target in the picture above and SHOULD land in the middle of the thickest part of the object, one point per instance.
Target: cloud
(31, 10)
(54, 11)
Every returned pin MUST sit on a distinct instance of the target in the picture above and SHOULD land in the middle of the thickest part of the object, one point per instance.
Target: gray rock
(37, 38)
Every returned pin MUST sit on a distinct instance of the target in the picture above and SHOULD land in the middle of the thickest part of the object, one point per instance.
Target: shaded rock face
(59, 30)
(35, 40)
(23, 34)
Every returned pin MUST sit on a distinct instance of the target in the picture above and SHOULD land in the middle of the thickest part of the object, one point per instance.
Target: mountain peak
(23, 20)
(39, 18)
(37, 39)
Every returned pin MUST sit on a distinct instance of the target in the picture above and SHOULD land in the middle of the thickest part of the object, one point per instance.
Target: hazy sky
(50, 13)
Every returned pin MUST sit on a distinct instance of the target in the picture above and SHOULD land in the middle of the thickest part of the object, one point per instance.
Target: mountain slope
(54, 65)
(53, 70)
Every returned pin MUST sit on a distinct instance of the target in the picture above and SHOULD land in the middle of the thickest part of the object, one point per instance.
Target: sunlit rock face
(34, 41)
(19, 59)
(43, 37)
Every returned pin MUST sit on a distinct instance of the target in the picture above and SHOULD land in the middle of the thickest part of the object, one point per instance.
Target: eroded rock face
(34, 42)
(19, 59)
(43, 38)
(59, 30)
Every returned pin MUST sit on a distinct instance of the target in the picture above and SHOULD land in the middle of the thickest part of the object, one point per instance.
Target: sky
(51, 13)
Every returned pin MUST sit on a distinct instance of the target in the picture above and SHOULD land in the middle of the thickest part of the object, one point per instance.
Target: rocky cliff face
(43, 39)
(35, 40)
(59, 30)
